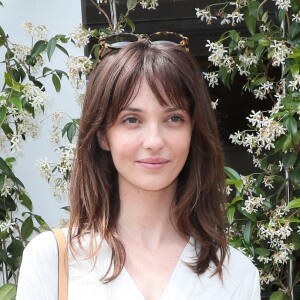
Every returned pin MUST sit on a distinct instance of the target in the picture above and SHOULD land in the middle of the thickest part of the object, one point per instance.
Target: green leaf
(61, 48)
(289, 159)
(263, 252)
(281, 15)
(130, 24)
(231, 173)
(67, 208)
(236, 199)
(295, 69)
(5, 168)
(131, 4)
(264, 42)
(294, 30)
(3, 111)
(2, 179)
(71, 132)
(279, 295)
(42, 222)
(8, 79)
(46, 70)
(250, 21)
(288, 143)
(247, 232)
(293, 204)
(8, 291)
(51, 47)
(295, 239)
(291, 125)
(239, 185)
(15, 248)
(3, 256)
(2, 37)
(26, 201)
(17, 103)
(60, 73)
(38, 48)
(27, 228)
(56, 82)
(230, 214)
(265, 17)
(259, 51)
(65, 129)
(259, 81)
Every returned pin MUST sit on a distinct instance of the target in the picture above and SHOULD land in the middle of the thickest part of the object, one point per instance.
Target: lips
(153, 162)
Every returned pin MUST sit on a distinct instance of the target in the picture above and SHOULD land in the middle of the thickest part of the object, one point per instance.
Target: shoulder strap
(62, 264)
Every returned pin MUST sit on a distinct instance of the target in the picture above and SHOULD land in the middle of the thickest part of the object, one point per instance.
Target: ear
(102, 141)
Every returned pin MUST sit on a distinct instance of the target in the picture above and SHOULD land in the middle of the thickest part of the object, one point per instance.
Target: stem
(290, 266)
(4, 266)
(102, 11)
(113, 15)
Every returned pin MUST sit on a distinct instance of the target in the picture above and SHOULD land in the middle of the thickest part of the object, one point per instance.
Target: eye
(130, 120)
(176, 119)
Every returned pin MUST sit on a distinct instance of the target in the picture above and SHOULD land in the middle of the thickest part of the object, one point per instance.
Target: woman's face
(149, 143)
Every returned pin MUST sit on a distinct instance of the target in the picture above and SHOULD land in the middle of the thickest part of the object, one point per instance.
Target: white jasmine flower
(80, 36)
(59, 187)
(236, 17)
(267, 278)
(45, 168)
(40, 32)
(15, 141)
(8, 187)
(296, 18)
(280, 164)
(228, 189)
(35, 96)
(212, 78)
(280, 54)
(283, 4)
(204, 15)
(253, 203)
(7, 225)
(20, 52)
(214, 104)
(79, 66)
(57, 117)
(149, 4)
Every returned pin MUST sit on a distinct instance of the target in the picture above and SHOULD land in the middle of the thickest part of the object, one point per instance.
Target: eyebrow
(167, 110)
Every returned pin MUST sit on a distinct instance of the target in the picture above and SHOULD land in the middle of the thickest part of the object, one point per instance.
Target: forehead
(155, 96)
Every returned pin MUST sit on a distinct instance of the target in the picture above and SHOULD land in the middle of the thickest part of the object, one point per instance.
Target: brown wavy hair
(94, 198)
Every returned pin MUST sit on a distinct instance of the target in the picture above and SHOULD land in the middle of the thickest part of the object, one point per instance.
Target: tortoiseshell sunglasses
(118, 41)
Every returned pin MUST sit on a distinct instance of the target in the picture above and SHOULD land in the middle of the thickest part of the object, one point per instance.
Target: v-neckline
(179, 261)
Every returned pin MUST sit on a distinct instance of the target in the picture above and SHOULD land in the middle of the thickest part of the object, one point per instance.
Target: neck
(145, 216)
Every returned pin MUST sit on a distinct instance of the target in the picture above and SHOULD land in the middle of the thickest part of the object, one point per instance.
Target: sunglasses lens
(166, 37)
(119, 45)
(120, 40)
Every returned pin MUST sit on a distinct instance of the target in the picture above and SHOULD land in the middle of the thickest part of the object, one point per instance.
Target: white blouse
(38, 276)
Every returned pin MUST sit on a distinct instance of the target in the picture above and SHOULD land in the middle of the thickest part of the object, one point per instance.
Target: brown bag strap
(62, 264)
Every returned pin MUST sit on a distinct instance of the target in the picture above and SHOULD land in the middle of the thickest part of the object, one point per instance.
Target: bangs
(157, 67)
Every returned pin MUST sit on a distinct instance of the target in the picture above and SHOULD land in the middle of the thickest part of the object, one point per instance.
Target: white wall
(59, 17)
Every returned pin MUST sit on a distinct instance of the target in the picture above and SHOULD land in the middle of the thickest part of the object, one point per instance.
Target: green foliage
(264, 207)
(8, 291)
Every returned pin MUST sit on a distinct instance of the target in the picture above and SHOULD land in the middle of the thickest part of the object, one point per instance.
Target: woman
(147, 201)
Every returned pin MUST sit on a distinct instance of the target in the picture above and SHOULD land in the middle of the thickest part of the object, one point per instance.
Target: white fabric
(38, 277)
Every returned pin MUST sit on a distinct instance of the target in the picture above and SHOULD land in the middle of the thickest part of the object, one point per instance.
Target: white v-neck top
(38, 276)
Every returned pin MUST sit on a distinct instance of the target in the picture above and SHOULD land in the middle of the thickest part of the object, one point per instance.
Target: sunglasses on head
(118, 41)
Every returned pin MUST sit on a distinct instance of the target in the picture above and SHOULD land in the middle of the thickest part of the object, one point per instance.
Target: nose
(153, 137)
